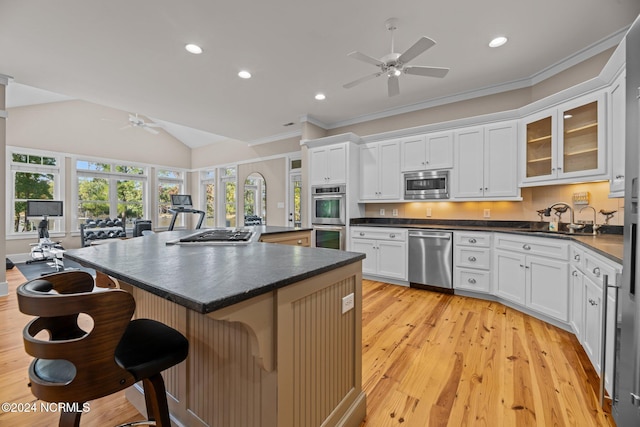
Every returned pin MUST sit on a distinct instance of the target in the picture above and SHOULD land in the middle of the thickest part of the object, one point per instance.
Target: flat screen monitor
(181, 201)
(42, 208)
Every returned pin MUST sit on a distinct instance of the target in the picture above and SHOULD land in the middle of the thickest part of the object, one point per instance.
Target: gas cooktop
(217, 236)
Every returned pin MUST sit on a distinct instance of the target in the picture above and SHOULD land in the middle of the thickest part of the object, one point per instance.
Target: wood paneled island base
(285, 358)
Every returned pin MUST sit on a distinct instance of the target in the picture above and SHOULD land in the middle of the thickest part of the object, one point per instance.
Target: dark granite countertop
(609, 243)
(208, 278)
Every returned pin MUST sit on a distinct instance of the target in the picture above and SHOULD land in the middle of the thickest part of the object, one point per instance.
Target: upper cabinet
(328, 165)
(565, 142)
(380, 177)
(616, 116)
(426, 152)
(486, 162)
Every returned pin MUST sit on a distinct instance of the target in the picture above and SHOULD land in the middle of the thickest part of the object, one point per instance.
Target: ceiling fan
(135, 121)
(394, 64)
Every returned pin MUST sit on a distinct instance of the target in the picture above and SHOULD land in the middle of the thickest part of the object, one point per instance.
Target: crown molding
(4, 79)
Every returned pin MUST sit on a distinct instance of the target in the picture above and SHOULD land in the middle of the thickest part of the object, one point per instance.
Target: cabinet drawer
(546, 247)
(473, 258)
(480, 240)
(595, 268)
(302, 238)
(397, 234)
(473, 280)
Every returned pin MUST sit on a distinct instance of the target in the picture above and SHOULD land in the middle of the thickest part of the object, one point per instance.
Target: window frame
(182, 184)
(206, 179)
(57, 170)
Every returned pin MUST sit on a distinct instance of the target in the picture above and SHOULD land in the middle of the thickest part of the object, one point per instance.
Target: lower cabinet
(385, 250)
(533, 281)
(576, 302)
(472, 261)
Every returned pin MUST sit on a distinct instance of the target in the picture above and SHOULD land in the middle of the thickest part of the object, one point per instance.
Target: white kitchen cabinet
(386, 251)
(565, 142)
(533, 272)
(427, 152)
(592, 321)
(472, 261)
(328, 165)
(576, 302)
(380, 177)
(486, 162)
(616, 115)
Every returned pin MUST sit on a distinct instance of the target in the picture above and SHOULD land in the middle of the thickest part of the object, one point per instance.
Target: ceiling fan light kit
(394, 64)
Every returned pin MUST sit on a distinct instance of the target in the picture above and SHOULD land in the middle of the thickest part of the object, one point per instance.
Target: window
(169, 182)
(110, 190)
(208, 188)
(229, 188)
(34, 176)
(295, 192)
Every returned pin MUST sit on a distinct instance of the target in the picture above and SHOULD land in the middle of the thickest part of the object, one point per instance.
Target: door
(548, 287)
(295, 200)
(390, 178)
(576, 306)
(501, 160)
(392, 259)
(318, 158)
(470, 163)
(369, 177)
(592, 321)
(510, 278)
(539, 150)
(439, 150)
(367, 247)
(337, 164)
(414, 153)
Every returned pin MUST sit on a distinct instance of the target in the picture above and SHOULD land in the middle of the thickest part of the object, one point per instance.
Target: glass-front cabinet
(566, 142)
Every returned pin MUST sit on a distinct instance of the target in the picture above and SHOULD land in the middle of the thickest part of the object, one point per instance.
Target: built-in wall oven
(328, 216)
(328, 204)
(426, 185)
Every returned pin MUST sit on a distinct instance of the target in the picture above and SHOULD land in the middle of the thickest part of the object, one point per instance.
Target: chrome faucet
(572, 225)
(595, 226)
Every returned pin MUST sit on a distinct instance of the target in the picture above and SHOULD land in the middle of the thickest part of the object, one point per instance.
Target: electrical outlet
(348, 303)
(395, 212)
(428, 212)
(487, 213)
(381, 212)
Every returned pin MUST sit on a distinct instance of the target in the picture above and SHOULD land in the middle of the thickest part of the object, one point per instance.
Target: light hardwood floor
(429, 359)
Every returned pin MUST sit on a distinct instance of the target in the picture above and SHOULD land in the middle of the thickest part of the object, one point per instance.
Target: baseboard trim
(4, 289)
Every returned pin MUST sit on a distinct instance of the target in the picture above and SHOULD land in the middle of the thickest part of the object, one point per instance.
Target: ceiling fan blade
(427, 71)
(148, 129)
(418, 47)
(393, 86)
(365, 58)
(361, 80)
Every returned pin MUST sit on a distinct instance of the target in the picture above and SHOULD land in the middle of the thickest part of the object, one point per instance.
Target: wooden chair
(75, 366)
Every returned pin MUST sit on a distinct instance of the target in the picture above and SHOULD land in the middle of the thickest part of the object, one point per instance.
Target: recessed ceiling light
(193, 48)
(498, 41)
(320, 96)
(244, 74)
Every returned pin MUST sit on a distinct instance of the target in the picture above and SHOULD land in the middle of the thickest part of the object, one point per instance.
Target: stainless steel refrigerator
(626, 386)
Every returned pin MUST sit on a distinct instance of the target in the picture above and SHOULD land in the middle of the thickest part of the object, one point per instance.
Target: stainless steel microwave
(426, 185)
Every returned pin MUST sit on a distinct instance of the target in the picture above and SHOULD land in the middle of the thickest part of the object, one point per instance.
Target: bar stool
(75, 366)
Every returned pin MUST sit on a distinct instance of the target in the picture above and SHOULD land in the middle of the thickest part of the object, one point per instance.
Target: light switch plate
(487, 213)
(395, 212)
(381, 212)
(348, 302)
(428, 212)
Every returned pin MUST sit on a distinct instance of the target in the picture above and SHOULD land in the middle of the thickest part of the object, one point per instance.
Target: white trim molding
(3, 114)
(4, 79)
(4, 289)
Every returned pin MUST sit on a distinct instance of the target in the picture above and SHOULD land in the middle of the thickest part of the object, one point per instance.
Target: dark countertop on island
(608, 244)
(208, 278)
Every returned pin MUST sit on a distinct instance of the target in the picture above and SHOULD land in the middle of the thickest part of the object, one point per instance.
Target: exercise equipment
(182, 204)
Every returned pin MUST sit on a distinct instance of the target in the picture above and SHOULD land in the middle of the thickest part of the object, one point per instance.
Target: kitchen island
(269, 342)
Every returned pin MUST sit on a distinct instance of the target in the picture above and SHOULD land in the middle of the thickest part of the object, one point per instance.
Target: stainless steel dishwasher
(431, 260)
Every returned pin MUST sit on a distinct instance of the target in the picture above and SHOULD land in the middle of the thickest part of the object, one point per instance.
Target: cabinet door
(616, 116)
(337, 164)
(439, 151)
(390, 178)
(581, 144)
(392, 259)
(318, 166)
(548, 288)
(369, 178)
(501, 160)
(367, 247)
(576, 304)
(469, 170)
(539, 147)
(592, 321)
(414, 153)
(510, 278)
(611, 336)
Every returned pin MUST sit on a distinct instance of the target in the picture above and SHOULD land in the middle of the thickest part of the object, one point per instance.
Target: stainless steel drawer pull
(472, 240)
(596, 271)
(526, 247)
(592, 302)
(472, 280)
(576, 257)
(472, 259)
(574, 273)
(361, 233)
(392, 235)
(299, 242)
